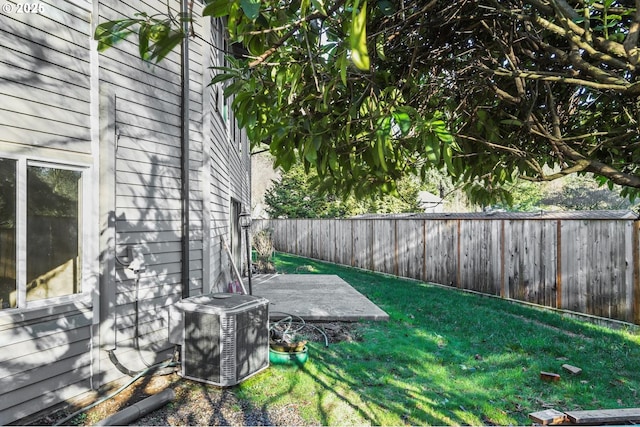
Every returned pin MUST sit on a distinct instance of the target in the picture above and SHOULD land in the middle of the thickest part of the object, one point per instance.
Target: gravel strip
(212, 406)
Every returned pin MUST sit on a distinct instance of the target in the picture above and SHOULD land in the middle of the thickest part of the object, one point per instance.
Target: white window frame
(87, 244)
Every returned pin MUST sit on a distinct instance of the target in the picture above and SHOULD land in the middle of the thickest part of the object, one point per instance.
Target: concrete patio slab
(315, 297)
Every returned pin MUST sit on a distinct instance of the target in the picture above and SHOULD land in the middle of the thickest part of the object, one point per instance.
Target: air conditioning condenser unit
(226, 337)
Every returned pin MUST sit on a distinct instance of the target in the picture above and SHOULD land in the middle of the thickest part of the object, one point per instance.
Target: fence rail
(581, 265)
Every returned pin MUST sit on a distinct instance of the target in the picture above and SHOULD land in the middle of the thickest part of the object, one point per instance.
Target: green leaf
(159, 31)
(403, 120)
(333, 161)
(431, 148)
(343, 67)
(222, 78)
(255, 45)
(383, 133)
(239, 99)
(327, 96)
(109, 33)
(166, 45)
(380, 145)
(281, 76)
(310, 152)
(251, 8)
(358, 39)
(304, 7)
(444, 135)
(233, 10)
(318, 4)
(380, 40)
(216, 8)
(143, 41)
(233, 88)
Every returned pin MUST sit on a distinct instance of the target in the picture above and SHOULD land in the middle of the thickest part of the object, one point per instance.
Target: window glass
(7, 233)
(53, 232)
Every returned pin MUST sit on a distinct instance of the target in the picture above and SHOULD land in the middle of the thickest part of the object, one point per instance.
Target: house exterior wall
(118, 120)
(228, 165)
(45, 114)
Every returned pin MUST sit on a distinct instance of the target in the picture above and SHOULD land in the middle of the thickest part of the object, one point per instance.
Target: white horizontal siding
(45, 102)
(148, 199)
(47, 355)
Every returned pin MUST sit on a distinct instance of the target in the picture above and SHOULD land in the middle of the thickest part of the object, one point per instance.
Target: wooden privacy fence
(586, 262)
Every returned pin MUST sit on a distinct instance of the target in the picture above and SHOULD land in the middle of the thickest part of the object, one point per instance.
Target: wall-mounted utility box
(226, 337)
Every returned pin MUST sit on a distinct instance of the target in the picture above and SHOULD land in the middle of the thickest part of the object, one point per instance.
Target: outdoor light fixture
(245, 220)
(245, 223)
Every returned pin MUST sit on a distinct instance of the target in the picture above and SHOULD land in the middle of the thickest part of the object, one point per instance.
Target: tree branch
(631, 41)
(486, 143)
(575, 37)
(555, 77)
(542, 177)
(589, 165)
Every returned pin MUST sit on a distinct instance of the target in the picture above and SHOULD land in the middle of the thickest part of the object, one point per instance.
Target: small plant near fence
(264, 249)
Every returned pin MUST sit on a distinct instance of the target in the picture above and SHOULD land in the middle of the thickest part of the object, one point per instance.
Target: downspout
(184, 144)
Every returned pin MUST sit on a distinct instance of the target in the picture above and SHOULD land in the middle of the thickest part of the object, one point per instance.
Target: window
(7, 233)
(40, 232)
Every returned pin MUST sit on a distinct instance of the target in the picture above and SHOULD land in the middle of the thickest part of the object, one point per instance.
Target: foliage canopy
(293, 196)
(366, 92)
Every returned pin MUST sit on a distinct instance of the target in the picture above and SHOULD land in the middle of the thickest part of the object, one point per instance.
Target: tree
(366, 92)
(573, 192)
(580, 192)
(293, 196)
(526, 197)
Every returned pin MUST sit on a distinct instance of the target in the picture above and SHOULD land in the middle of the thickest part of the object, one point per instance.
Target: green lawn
(448, 358)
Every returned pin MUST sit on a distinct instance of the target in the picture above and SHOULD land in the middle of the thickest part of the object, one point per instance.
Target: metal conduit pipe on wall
(184, 143)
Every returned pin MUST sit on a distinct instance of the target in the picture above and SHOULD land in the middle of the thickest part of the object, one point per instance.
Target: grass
(449, 358)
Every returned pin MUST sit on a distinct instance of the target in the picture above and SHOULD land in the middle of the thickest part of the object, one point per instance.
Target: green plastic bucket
(296, 358)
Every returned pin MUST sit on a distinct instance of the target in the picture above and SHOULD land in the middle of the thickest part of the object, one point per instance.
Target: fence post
(558, 264)
(396, 266)
(424, 250)
(459, 266)
(636, 272)
(372, 250)
(503, 292)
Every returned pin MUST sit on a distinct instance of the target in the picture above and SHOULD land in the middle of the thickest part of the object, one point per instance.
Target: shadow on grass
(451, 358)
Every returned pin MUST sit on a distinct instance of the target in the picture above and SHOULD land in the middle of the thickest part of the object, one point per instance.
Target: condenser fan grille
(226, 339)
(201, 352)
(250, 344)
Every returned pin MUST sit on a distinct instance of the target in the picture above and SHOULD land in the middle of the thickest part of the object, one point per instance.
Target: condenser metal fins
(226, 338)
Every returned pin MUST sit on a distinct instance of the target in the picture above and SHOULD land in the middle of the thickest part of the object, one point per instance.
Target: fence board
(530, 261)
(281, 232)
(441, 261)
(384, 239)
(362, 231)
(323, 237)
(343, 241)
(303, 237)
(480, 253)
(410, 248)
(573, 274)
